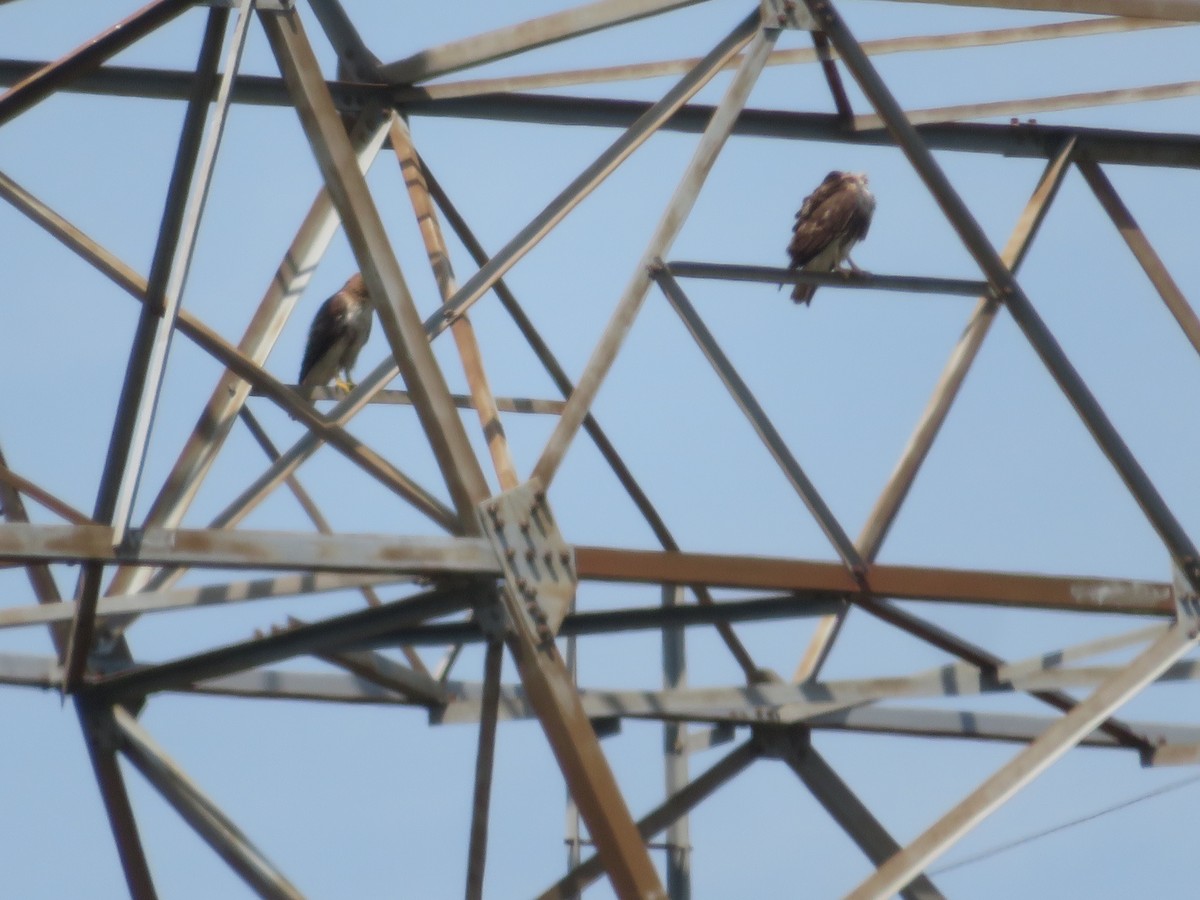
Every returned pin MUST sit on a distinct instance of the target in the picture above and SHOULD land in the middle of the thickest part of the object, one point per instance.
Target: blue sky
(366, 802)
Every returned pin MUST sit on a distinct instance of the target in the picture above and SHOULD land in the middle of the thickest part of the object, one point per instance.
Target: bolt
(524, 525)
(530, 555)
(539, 498)
(565, 558)
(548, 558)
(522, 585)
(510, 554)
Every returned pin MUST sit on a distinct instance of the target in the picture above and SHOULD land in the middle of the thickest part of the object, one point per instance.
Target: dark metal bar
(1023, 312)
(840, 101)
(678, 804)
(1025, 140)
(675, 754)
(199, 811)
(861, 280)
(52, 76)
(762, 424)
(564, 384)
(462, 401)
(477, 849)
(98, 727)
(1142, 249)
(633, 619)
(848, 810)
(331, 634)
(121, 443)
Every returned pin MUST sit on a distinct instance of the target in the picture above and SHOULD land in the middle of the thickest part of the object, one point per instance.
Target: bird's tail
(803, 293)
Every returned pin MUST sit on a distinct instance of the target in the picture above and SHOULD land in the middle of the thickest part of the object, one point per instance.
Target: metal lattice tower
(470, 585)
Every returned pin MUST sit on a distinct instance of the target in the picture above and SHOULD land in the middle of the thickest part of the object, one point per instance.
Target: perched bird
(338, 331)
(832, 219)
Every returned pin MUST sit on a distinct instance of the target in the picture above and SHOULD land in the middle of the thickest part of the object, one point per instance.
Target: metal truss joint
(786, 14)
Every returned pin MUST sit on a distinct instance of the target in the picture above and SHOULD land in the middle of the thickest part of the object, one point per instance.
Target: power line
(1001, 848)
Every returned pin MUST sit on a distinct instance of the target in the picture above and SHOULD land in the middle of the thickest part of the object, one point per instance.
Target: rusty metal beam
(43, 497)
(1174, 10)
(904, 582)
(464, 333)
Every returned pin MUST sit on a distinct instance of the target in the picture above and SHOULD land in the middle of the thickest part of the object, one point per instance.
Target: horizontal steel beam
(1026, 140)
(192, 597)
(609, 621)
(903, 582)
(1174, 10)
(462, 401)
(219, 549)
(431, 555)
(860, 280)
(324, 636)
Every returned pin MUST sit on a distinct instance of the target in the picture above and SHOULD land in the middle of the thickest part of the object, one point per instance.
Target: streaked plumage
(832, 219)
(338, 332)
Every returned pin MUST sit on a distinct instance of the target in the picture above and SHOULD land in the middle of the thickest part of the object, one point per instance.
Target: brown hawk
(832, 219)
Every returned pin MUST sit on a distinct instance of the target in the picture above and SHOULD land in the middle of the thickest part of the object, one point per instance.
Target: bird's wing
(828, 212)
(328, 326)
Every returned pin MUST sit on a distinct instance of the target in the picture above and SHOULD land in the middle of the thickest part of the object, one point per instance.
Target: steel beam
(639, 129)
(892, 497)
(485, 755)
(675, 754)
(414, 685)
(377, 262)
(199, 811)
(857, 280)
(673, 218)
(323, 636)
(904, 582)
(54, 76)
(1178, 543)
(1142, 250)
(99, 737)
(761, 422)
(250, 550)
(464, 334)
(846, 809)
(1027, 765)
(551, 692)
(564, 384)
(139, 390)
(678, 804)
(229, 395)
(1175, 10)
(518, 38)
(1028, 105)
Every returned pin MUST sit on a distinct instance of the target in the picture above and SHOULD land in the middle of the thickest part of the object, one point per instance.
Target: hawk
(338, 331)
(832, 219)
